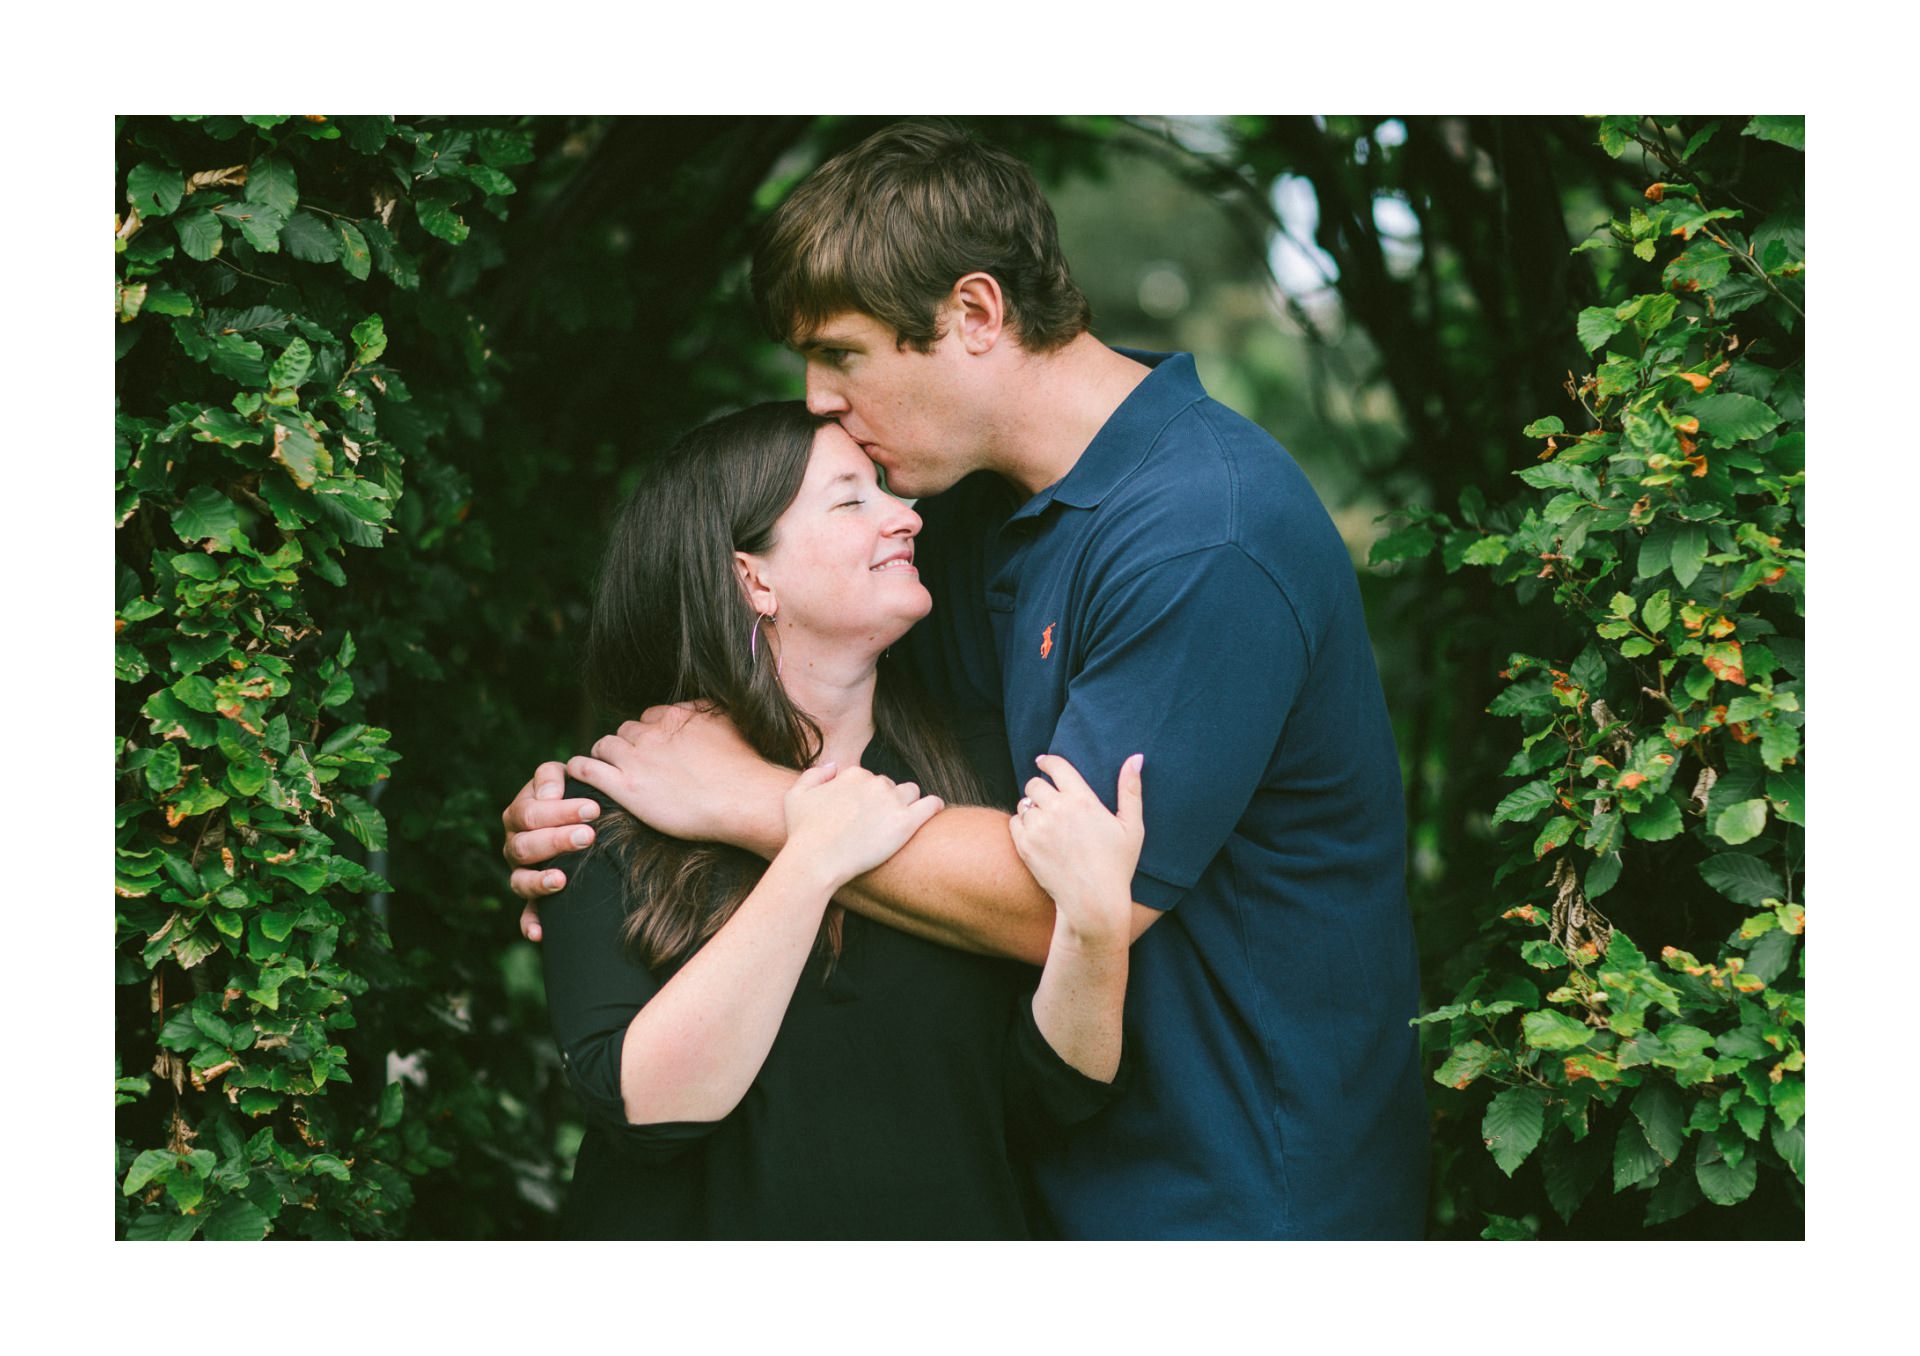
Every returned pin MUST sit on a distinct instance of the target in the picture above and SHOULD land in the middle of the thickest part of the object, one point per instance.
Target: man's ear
(978, 312)
(760, 596)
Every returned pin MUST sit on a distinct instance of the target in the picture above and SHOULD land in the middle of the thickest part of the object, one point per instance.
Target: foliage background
(1395, 298)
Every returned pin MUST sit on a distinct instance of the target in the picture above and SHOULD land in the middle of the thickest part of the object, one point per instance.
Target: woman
(754, 1062)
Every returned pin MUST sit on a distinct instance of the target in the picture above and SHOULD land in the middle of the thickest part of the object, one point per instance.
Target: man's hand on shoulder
(686, 771)
(541, 825)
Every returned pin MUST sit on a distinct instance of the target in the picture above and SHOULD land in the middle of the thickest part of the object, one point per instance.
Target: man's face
(911, 412)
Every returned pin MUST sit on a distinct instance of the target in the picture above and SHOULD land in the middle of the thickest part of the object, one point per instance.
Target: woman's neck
(837, 691)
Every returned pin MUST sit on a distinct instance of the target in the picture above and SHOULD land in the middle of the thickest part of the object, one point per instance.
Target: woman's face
(841, 566)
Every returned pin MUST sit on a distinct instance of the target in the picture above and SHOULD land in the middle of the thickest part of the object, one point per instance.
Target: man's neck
(1056, 403)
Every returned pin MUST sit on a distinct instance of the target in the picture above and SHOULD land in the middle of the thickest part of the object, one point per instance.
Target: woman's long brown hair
(671, 623)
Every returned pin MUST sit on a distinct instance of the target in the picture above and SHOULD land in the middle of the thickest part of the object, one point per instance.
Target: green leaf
(1787, 131)
(165, 301)
(199, 234)
(1528, 803)
(437, 216)
(1790, 1142)
(490, 181)
(292, 366)
(1512, 1125)
(1634, 1160)
(1699, 139)
(1672, 1196)
(1595, 326)
(295, 448)
(145, 1168)
(360, 819)
(237, 1220)
(1466, 1063)
(215, 425)
(1568, 1169)
(271, 180)
(1602, 876)
(1658, 821)
(161, 1225)
(1662, 1116)
(370, 339)
(310, 239)
(204, 513)
(1544, 428)
(1724, 1183)
(1779, 741)
(1731, 418)
(154, 190)
(1557, 833)
(259, 222)
(1741, 822)
(1407, 543)
(1508, 1229)
(1658, 611)
(1770, 956)
(1542, 955)
(392, 1103)
(1656, 550)
(1742, 878)
(1787, 792)
(1688, 552)
(1550, 1030)
(354, 254)
(163, 769)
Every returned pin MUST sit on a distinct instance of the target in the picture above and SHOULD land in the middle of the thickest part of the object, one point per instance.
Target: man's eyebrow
(823, 339)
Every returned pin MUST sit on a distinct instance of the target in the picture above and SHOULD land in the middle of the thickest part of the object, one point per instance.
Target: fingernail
(547, 791)
(533, 932)
(581, 837)
(1138, 761)
(590, 811)
(552, 880)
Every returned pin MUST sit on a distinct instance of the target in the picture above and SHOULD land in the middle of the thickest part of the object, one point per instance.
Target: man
(1119, 564)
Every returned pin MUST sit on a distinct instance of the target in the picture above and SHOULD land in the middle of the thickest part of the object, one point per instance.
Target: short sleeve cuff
(1156, 893)
(1066, 1095)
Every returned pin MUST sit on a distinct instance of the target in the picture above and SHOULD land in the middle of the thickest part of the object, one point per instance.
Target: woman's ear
(760, 595)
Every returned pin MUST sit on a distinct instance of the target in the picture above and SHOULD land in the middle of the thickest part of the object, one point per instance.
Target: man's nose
(822, 399)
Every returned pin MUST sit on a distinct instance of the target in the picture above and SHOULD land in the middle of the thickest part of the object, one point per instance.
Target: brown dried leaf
(233, 176)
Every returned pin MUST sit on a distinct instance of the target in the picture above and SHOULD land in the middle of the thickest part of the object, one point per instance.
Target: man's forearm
(958, 881)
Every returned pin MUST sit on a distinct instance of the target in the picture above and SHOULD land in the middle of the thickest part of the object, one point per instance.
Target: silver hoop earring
(753, 642)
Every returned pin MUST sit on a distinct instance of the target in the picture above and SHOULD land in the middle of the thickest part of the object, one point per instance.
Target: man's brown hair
(888, 227)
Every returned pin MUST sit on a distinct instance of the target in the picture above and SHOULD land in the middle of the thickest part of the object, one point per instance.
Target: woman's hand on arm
(693, 1051)
(1084, 858)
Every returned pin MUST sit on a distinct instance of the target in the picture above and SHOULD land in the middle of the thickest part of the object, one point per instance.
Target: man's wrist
(760, 827)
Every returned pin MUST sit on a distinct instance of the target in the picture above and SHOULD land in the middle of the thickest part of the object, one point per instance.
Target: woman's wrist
(807, 872)
(1102, 931)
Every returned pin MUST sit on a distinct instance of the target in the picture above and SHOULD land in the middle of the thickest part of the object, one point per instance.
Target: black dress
(887, 1107)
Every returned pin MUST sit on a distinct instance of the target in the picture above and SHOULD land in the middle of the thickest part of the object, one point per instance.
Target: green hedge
(1645, 1026)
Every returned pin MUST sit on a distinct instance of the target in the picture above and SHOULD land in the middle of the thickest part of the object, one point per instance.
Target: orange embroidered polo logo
(1046, 640)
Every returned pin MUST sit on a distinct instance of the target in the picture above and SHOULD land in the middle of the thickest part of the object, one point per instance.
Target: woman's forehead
(837, 457)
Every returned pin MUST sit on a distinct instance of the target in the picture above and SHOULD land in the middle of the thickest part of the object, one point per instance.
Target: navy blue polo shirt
(1182, 592)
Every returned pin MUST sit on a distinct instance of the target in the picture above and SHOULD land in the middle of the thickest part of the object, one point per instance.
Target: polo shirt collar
(1128, 435)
